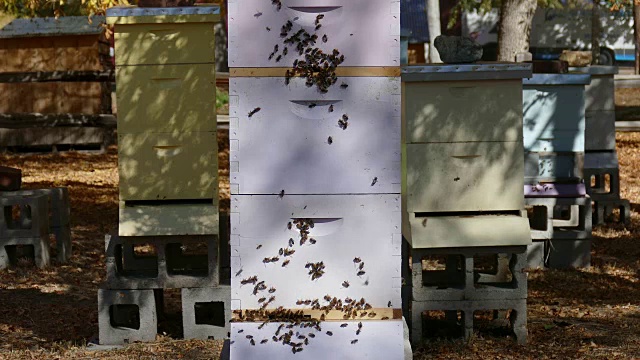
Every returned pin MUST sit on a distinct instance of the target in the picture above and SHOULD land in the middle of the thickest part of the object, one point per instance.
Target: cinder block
(163, 262)
(59, 210)
(603, 210)
(347, 24)
(566, 254)
(206, 312)
(464, 278)
(10, 250)
(10, 178)
(537, 254)
(600, 133)
(517, 318)
(598, 166)
(292, 136)
(125, 316)
(24, 216)
(559, 218)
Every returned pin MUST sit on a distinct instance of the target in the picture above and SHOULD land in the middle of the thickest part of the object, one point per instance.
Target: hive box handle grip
(322, 226)
(167, 150)
(168, 34)
(464, 157)
(314, 9)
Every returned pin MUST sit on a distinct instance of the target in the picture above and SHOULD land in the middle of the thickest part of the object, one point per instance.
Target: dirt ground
(52, 313)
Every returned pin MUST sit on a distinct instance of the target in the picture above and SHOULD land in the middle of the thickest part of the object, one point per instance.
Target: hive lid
(64, 25)
(461, 72)
(468, 231)
(595, 70)
(558, 79)
(183, 14)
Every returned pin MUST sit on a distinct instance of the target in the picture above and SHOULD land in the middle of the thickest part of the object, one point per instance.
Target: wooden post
(636, 28)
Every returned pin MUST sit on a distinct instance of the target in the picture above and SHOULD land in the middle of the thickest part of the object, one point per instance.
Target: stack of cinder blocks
(28, 218)
(465, 218)
(554, 141)
(318, 152)
(167, 154)
(601, 168)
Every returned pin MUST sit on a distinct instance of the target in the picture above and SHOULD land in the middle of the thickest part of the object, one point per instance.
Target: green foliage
(46, 8)
(222, 98)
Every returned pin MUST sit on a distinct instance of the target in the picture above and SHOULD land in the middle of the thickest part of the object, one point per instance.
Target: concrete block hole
(18, 217)
(438, 324)
(443, 271)
(136, 259)
(190, 258)
(601, 183)
(492, 269)
(537, 217)
(209, 313)
(20, 255)
(125, 316)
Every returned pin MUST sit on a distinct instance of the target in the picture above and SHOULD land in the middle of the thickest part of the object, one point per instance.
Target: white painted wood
(365, 226)
(285, 146)
(366, 32)
(378, 340)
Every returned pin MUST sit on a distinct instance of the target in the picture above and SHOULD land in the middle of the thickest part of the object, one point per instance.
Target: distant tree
(433, 22)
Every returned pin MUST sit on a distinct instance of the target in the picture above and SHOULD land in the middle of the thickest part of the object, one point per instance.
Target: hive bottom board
(382, 340)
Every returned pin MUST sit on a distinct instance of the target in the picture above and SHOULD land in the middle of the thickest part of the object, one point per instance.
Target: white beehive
(345, 227)
(294, 142)
(364, 31)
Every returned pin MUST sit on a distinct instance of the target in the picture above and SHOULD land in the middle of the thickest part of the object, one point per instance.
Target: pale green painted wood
(483, 176)
(171, 43)
(463, 111)
(183, 219)
(166, 98)
(468, 231)
(163, 166)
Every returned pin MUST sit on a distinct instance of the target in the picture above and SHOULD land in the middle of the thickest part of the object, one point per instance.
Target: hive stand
(125, 316)
(461, 287)
(31, 229)
(600, 166)
(167, 267)
(206, 312)
(59, 212)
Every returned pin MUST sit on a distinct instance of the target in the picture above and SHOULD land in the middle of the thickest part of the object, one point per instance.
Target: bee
(312, 105)
(281, 252)
(303, 240)
(288, 252)
(252, 112)
(361, 265)
(264, 341)
(272, 290)
(329, 140)
(266, 260)
(285, 263)
(344, 325)
(325, 38)
(312, 241)
(344, 85)
(253, 342)
(389, 303)
(279, 58)
(361, 272)
(262, 299)
(374, 181)
(289, 224)
(281, 195)
(251, 280)
(275, 339)
(345, 117)
(360, 325)
(343, 124)
(372, 314)
(291, 242)
(268, 28)
(357, 260)
(271, 56)
(345, 284)
(319, 17)
(353, 342)
(331, 108)
(249, 336)
(322, 317)
(240, 331)
(318, 27)
(239, 272)
(358, 332)
(258, 247)
(329, 333)
(275, 48)
(385, 318)
(285, 51)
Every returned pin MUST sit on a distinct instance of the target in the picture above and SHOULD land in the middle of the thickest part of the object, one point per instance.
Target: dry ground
(52, 313)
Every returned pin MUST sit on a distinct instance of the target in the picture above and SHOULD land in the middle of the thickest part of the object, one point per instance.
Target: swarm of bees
(343, 122)
(316, 270)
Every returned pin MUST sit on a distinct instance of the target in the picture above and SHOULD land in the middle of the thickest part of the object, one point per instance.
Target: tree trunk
(433, 22)
(636, 28)
(596, 32)
(515, 28)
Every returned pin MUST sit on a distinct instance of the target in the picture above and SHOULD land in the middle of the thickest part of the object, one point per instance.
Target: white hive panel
(366, 32)
(285, 145)
(482, 176)
(381, 340)
(345, 227)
